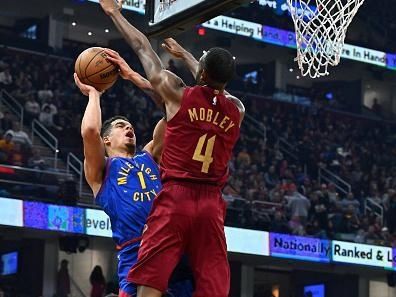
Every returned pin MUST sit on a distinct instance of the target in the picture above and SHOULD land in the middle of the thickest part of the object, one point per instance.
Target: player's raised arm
(94, 151)
(168, 85)
(127, 73)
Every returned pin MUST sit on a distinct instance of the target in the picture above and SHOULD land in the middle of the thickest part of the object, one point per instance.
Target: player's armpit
(171, 88)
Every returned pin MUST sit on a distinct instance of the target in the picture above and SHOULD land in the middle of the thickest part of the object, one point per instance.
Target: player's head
(118, 136)
(216, 68)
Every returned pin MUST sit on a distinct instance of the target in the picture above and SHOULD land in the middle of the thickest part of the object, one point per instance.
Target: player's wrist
(114, 12)
(184, 55)
(130, 76)
(94, 93)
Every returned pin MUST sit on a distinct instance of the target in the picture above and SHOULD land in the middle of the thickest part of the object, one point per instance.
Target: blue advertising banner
(301, 248)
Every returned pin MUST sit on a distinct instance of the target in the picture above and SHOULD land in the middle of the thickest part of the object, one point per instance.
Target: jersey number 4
(207, 158)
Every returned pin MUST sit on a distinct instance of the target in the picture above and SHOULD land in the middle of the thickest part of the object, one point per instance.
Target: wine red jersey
(199, 139)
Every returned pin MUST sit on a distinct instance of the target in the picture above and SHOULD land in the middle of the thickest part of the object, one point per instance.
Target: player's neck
(121, 154)
(218, 87)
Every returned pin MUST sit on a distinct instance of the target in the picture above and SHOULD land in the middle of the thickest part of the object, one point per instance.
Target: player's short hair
(106, 126)
(219, 65)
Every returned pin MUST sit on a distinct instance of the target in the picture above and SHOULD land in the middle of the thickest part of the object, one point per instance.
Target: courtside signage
(301, 248)
(235, 26)
(132, 5)
(97, 223)
(60, 218)
(363, 254)
(11, 212)
(247, 241)
(286, 38)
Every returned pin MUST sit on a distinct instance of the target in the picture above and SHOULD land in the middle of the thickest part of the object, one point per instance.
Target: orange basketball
(93, 69)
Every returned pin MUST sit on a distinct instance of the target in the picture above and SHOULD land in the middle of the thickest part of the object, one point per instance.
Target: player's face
(122, 135)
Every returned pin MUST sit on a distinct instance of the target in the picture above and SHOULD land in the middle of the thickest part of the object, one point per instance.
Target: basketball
(94, 69)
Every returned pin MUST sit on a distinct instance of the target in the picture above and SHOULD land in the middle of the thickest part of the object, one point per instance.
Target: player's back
(199, 139)
(127, 194)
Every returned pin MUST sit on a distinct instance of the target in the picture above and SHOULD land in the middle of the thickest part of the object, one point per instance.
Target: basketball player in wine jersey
(203, 125)
(126, 183)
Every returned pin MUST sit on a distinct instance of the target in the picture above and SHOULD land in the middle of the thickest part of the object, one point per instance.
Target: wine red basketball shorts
(186, 218)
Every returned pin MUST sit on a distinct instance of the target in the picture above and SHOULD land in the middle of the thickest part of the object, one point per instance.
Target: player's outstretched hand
(174, 48)
(116, 59)
(85, 89)
(111, 6)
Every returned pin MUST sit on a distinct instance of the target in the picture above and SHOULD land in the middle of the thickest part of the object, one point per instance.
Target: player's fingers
(111, 52)
(167, 47)
(170, 40)
(77, 80)
(113, 60)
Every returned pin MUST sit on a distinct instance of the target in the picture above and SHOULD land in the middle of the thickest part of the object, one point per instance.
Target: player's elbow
(155, 79)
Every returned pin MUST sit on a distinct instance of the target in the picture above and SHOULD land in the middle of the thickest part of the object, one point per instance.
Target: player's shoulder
(236, 101)
(146, 157)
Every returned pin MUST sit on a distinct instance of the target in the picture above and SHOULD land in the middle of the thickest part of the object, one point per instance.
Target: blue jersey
(127, 193)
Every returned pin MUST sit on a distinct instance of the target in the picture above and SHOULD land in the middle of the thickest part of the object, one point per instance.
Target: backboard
(170, 17)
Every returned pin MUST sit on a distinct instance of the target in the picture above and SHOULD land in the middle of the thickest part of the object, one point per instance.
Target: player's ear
(204, 76)
(106, 140)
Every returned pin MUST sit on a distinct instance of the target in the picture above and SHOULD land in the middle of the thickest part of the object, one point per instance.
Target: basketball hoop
(321, 27)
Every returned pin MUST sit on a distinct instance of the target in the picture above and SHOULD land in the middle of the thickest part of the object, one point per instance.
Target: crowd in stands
(269, 188)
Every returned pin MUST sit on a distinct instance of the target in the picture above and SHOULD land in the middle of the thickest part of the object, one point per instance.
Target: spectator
(348, 201)
(45, 93)
(371, 235)
(36, 161)
(63, 280)
(19, 136)
(271, 178)
(97, 281)
(279, 223)
(243, 157)
(47, 118)
(52, 106)
(6, 148)
(5, 78)
(6, 122)
(297, 204)
(32, 109)
(17, 155)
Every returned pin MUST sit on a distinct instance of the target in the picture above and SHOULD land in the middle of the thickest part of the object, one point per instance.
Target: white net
(321, 27)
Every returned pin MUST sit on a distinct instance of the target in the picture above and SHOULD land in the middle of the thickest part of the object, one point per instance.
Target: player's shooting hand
(116, 59)
(85, 89)
(111, 6)
(174, 48)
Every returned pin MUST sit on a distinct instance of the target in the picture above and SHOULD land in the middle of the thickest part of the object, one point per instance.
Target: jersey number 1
(141, 179)
(207, 158)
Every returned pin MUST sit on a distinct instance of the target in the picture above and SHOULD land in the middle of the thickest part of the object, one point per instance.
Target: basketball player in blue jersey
(126, 182)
